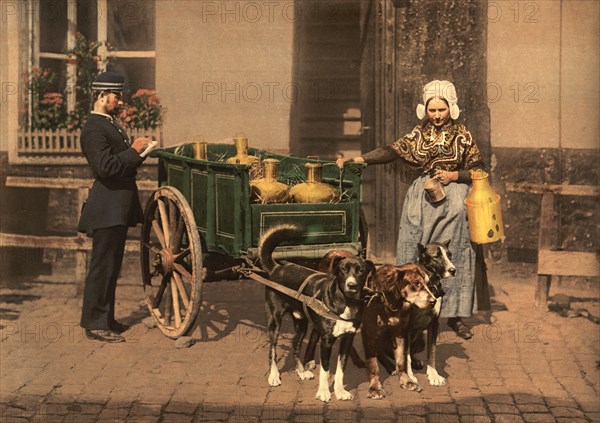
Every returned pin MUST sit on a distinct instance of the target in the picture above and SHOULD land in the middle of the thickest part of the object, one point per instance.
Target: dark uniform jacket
(113, 199)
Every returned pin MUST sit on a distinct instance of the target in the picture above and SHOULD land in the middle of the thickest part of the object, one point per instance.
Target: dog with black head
(407, 302)
(341, 292)
(436, 258)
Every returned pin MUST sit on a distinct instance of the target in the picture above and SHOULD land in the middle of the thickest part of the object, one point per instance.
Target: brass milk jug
(268, 190)
(483, 210)
(200, 148)
(242, 157)
(313, 190)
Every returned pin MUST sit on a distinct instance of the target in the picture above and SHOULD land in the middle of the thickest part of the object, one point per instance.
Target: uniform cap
(109, 81)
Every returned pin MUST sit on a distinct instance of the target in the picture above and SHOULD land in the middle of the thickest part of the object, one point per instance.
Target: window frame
(34, 53)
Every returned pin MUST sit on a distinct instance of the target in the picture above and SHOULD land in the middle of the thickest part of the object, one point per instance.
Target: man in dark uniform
(112, 206)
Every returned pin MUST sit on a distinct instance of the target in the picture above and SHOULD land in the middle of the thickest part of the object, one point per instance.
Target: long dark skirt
(424, 222)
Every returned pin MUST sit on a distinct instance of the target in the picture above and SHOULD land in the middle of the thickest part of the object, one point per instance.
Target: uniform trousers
(108, 246)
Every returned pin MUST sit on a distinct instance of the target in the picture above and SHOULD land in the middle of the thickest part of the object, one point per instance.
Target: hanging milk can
(313, 190)
(483, 210)
(241, 146)
(267, 190)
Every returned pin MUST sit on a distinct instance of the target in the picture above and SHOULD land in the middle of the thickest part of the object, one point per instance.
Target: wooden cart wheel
(171, 255)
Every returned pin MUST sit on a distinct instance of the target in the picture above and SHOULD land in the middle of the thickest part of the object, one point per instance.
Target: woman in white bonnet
(444, 149)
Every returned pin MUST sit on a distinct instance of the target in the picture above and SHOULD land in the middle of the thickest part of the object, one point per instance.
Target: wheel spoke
(164, 220)
(168, 307)
(182, 291)
(172, 221)
(182, 254)
(176, 310)
(152, 248)
(183, 271)
(159, 233)
(178, 235)
(159, 294)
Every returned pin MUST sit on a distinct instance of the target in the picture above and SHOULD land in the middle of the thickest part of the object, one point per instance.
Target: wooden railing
(78, 243)
(58, 141)
(61, 146)
(553, 261)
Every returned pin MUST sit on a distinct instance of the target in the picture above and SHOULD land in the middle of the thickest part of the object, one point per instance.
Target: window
(125, 31)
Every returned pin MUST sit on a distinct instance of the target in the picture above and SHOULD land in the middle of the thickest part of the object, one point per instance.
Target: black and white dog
(342, 294)
(435, 258)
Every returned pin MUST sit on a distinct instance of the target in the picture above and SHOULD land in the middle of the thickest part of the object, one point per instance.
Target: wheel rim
(171, 262)
(363, 232)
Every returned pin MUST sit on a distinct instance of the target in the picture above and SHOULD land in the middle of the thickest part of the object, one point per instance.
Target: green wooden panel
(322, 223)
(226, 211)
(176, 177)
(199, 191)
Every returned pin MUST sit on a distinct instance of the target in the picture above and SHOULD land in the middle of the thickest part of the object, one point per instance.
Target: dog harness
(316, 305)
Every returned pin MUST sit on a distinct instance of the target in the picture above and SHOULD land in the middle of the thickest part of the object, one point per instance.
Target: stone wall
(579, 216)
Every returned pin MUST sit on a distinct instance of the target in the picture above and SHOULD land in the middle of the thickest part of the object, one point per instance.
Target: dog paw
(410, 384)
(416, 364)
(376, 393)
(412, 377)
(311, 365)
(274, 379)
(305, 375)
(343, 395)
(434, 377)
(323, 395)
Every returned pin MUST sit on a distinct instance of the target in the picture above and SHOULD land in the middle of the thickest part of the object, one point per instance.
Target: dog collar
(382, 299)
(436, 290)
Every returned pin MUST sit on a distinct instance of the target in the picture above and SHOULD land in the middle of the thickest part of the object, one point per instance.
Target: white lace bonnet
(443, 89)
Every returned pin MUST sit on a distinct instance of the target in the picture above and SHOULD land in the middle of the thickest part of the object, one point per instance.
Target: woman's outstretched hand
(340, 162)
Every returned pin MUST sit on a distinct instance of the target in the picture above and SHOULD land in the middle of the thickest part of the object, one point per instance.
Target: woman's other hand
(446, 176)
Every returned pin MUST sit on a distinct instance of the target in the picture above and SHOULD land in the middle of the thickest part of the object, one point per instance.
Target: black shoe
(119, 327)
(458, 326)
(104, 335)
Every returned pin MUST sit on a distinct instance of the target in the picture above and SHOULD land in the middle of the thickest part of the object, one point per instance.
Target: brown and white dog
(341, 292)
(408, 303)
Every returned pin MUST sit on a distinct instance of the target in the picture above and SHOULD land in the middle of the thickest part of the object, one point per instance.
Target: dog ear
(370, 267)
(394, 277)
(447, 244)
(336, 263)
(421, 248)
(389, 277)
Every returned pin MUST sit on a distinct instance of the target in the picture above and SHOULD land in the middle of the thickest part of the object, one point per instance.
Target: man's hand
(140, 144)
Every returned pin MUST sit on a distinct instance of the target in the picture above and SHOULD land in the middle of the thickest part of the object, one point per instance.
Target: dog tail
(271, 239)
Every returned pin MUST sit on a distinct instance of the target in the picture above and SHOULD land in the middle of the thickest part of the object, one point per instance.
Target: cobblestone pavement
(522, 365)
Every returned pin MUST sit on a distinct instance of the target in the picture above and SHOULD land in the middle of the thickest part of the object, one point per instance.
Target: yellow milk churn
(313, 190)
(483, 210)
(241, 146)
(268, 190)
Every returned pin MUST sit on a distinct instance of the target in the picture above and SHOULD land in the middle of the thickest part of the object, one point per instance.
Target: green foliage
(85, 56)
(144, 111)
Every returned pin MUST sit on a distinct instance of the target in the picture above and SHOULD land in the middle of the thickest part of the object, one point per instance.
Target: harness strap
(316, 305)
(306, 281)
